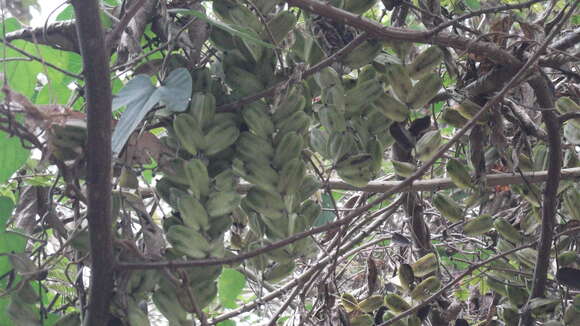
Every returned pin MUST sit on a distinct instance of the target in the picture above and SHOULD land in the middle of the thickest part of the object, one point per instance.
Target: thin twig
(314, 269)
(441, 27)
(285, 305)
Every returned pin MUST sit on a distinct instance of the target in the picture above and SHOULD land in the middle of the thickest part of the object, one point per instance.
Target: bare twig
(345, 251)
(118, 30)
(285, 305)
(492, 180)
(568, 41)
(442, 26)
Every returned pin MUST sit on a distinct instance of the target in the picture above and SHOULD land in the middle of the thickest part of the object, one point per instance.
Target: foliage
(303, 151)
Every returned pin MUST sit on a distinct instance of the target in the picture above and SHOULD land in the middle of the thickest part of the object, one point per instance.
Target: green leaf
(54, 93)
(23, 74)
(140, 96)
(227, 323)
(39, 180)
(6, 207)
(473, 4)
(135, 93)
(230, 285)
(176, 90)
(12, 156)
(66, 14)
(4, 301)
(234, 30)
(9, 242)
(10, 24)
(326, 216)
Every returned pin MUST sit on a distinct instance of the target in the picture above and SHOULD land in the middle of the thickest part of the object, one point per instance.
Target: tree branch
(568, 41)
(486, 49)
(129, 45)
(545, 96)
(376, 187)
(59, 35)
(492, 180)
(444, 25)
(550, 202)
(120, 27)
(99, 158)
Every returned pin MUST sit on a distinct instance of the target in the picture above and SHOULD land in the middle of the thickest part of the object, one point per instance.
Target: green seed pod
(425, 265)
(349, 302)
(396, 303)
(426, 288)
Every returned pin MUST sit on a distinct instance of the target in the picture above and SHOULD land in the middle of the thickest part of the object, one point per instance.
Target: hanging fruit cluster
(200, 186)
(355, 115)
(350, 136)
(265, 143)
(270, 157)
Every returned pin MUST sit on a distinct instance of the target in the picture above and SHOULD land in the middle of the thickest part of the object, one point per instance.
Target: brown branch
(550, 203)
(280, 311)
(241, 257)
(129, 42)
(568, 41)
(120, 27)
(545, 96)
(99, 157)
(442, 26)
(557, 59)
(16, 128)
(492, 180)
(525, 122)
(568, 116)
(59, 35)
(486, 49)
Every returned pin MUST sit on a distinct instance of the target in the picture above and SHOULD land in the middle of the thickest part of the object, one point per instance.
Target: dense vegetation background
(236, 162)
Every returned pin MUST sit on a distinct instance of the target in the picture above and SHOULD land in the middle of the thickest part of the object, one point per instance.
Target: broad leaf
(135, 93)
(325, 216)
(176, 90)
(140, 96)
(230, 285)
(12, 156)
(6, 207)
(7, 242)
(473, 4)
